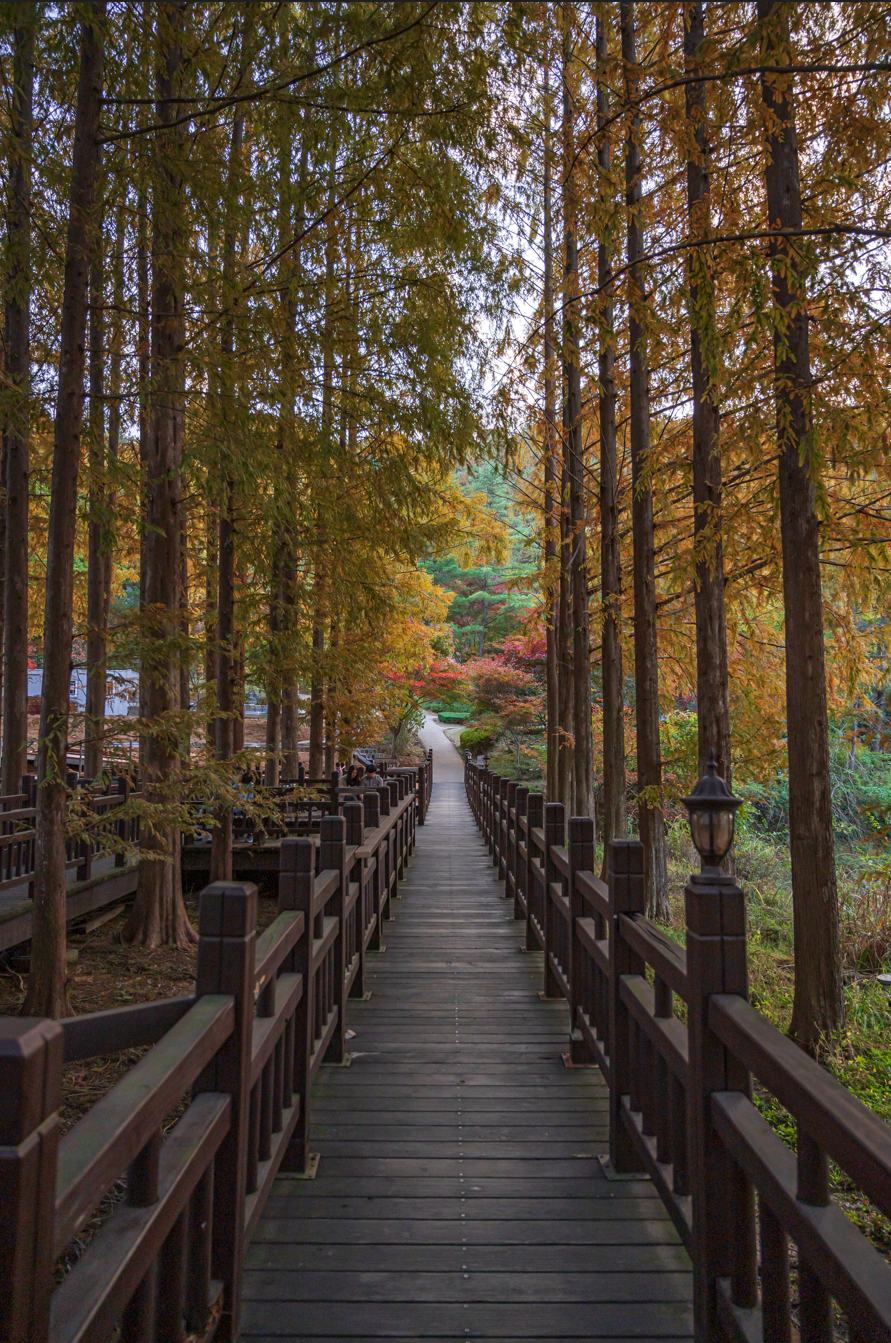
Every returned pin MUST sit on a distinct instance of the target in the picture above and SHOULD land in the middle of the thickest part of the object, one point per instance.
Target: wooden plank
(458, 1193)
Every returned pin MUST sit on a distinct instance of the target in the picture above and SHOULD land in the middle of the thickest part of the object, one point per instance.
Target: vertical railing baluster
(626, 897)
(581, 859)
(555, 834)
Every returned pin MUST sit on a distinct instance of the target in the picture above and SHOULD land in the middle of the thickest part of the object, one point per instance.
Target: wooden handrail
(267, 1011)
(680, 1104)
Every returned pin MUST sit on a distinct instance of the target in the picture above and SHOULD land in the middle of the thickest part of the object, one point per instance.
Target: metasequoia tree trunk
(290, 273)
(615, 819)
(143, 377)
(551, 473)
(211, 574)
(221, 842)
(159, 914)
(94, 709)
(317, 676)
(317, 682)
(712, 696)
(583, 754)
(16, 429)
(818, 1008)
(565, 682)
(273, 675)
(646, 663)
(47, 992)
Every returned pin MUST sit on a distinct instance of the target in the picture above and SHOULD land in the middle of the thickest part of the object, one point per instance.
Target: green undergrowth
(862, 1061)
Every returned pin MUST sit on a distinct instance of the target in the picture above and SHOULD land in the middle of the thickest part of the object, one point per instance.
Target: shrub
(455, 716)
(477, 740)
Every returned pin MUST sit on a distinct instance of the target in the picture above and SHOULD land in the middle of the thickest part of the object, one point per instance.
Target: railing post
(333, 858)
(510, 835)
(627, 895)
(723, 1202)
(372, 804)
(296, 890)
(227, 933)
(555, 833)
(534, 821)
(581, 859)
(521, 802)
(354, 834)
(31, 1052)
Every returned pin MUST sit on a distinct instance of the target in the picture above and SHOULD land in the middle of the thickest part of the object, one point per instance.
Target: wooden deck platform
(459, 1195)
(107, 884)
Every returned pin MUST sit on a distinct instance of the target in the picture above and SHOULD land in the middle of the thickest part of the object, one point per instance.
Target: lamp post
(712, 808)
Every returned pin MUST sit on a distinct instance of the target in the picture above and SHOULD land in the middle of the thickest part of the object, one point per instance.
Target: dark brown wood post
(555, 833)
(581, 859)
(31, 1052)
(501, 847)
(510, 835)
(534, 821)
(627, 895)
(332, 857)
(296, 889)
(227, 933)
(723, 1204)
(354, 823)
(422, 793)
(371, 802)
(521, 803)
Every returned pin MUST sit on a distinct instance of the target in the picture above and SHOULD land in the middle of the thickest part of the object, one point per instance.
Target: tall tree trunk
(211, 596)
(143, 376)
(615, 819)
(221, 842)
(47, 994)
(17, 435)
(583, 758)
(646, 663)
(113, 443)
(818, 1007)
(158, 915)
(565, 680)
(94, 709)
(273, 677)
(712, 695)
(551, 475)
(317, 681)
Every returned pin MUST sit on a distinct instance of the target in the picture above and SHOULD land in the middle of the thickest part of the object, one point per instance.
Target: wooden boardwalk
(459, 1193)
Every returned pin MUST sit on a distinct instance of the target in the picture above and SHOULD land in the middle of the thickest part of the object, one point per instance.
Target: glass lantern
(712, 808)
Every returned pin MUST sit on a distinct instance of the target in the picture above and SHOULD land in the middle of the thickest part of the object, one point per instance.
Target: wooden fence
(194, 1134)
(680, 1086)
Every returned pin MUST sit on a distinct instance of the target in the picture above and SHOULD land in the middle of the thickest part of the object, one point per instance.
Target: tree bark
(317, 683)
(583, 756)
(221, 842)
(818, 1007)
(94, 708)
(646, 662)
(712, 694)
(143, 376)
(551, 476)
(273, 678)
(615, 818)
(565, 681)
(17, 435)
(158, 915)
(47, 994)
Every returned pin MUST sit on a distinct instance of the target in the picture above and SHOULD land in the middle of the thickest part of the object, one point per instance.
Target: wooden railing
(234, 1065)
(17, 832)
(681, 1107)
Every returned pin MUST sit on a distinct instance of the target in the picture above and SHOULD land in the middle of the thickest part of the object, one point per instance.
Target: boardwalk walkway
(459, 1193)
